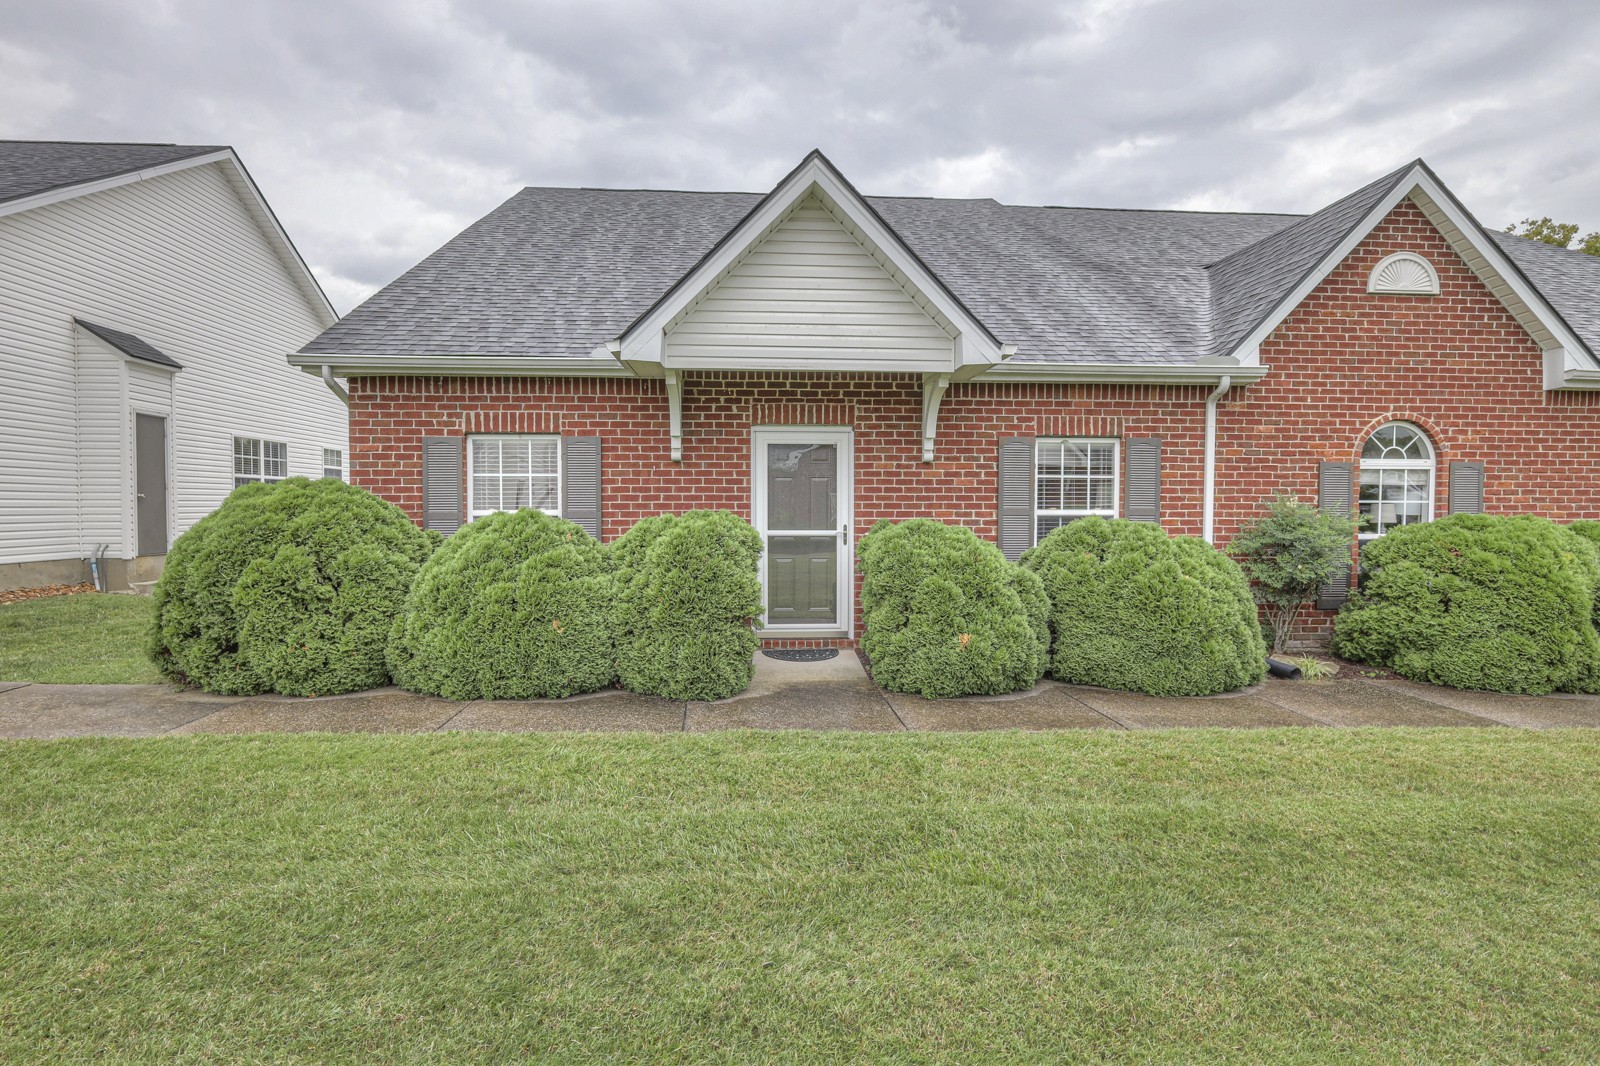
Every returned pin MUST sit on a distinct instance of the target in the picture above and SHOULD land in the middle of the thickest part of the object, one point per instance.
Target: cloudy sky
(379, 128)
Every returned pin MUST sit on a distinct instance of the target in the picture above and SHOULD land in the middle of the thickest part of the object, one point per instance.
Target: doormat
(800, 655)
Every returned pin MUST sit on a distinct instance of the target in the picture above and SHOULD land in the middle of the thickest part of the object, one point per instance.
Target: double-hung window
(259, 460)
(1073, 477)
(510, 472)
(333, 463)
(1396, 479)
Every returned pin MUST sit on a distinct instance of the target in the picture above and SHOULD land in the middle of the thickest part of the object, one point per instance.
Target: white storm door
(802, 485)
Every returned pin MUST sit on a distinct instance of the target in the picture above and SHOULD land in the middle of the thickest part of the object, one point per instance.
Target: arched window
(1396, 478)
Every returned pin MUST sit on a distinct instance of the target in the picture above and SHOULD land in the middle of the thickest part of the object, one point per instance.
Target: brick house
(817, 360)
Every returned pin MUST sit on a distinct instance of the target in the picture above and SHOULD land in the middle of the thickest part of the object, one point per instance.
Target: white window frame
(260, 474)
(472, 473)
(338, 467)
(1430, 464)
(1116, 482)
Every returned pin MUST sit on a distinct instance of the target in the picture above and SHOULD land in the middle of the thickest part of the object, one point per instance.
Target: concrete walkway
(834, 694)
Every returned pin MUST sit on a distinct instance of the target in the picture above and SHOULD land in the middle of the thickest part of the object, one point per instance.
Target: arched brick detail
(1436, 434)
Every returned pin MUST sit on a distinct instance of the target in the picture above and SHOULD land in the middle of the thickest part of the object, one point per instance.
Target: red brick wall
(1344, 362)
(1457, 364)
(390, 416)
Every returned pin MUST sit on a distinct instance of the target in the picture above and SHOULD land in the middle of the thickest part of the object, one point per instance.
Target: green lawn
(1282, 896)
(86, 639)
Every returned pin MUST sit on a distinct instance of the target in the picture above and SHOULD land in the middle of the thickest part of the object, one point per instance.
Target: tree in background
(1559, 234)
(1289, 553)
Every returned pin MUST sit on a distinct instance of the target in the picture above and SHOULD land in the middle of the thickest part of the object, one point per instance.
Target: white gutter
(347, 366)
(1208, 499)
(1125, 373)
(337, 389)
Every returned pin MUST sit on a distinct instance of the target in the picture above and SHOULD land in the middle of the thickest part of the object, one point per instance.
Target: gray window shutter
(1144, 479)
(1466, 488)
(441, 483)
(580, 482)
(1336, 495)
(1016, 495)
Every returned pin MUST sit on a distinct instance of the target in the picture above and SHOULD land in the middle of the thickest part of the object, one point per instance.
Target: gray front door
(150, 482)
(803, 541)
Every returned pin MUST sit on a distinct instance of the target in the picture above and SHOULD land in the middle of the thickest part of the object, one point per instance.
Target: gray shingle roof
(550, 272)
(1248, 284)
(1072, 284)
(1569, 280)
(28, 168)
(558, 272)
(128, 344)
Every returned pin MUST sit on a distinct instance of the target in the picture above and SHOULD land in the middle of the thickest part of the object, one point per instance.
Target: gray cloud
(379, 129)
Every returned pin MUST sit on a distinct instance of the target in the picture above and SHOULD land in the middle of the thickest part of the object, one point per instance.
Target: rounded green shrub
(1132, 608)
(1500, 603)
(687, 600)
(288, 587)
(946, 614)
(514, 606)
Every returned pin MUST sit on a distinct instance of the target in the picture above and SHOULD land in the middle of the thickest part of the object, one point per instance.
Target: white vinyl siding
(809, 294)
(100, 465)
(179, 261)
(510, 472)
(1073, 478)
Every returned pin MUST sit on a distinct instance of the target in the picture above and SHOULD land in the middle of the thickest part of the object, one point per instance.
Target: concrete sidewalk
(834, 694)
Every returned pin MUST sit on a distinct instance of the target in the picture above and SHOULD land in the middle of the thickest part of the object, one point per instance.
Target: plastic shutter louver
(1336, 494)
(1466, 488)
(441, 483)
(1016, 496)
(580, 482)
(1144, 479)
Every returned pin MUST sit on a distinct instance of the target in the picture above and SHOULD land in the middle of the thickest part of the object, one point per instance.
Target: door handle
(141, 495)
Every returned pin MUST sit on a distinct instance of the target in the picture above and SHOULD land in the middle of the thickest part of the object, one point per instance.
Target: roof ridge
(609, 188)
(109, 144)
(934, 199)
(1498, 234)
(1160, 210)
(1385, 181)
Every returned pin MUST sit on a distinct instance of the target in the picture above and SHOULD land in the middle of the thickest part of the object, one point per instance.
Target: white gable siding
(178, 261)
(102, 447)
(808, 294)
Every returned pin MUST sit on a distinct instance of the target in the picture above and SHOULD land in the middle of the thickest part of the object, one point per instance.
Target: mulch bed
(18, 595)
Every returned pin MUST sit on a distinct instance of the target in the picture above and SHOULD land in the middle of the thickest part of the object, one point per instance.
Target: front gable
(810, 294)
(1351, 333)
(812, 278)
(1568, 362)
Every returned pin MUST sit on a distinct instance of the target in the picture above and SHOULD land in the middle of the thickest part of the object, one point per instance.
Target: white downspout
(1208, 503)
(338, 390)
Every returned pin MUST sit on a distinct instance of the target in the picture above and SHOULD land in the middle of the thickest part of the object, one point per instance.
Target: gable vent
(1404, 274)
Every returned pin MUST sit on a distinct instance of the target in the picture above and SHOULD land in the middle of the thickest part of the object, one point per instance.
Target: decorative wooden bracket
(933, 389)
(675, 413)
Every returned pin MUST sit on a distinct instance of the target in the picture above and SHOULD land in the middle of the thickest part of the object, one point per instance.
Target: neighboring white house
(147, 298)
